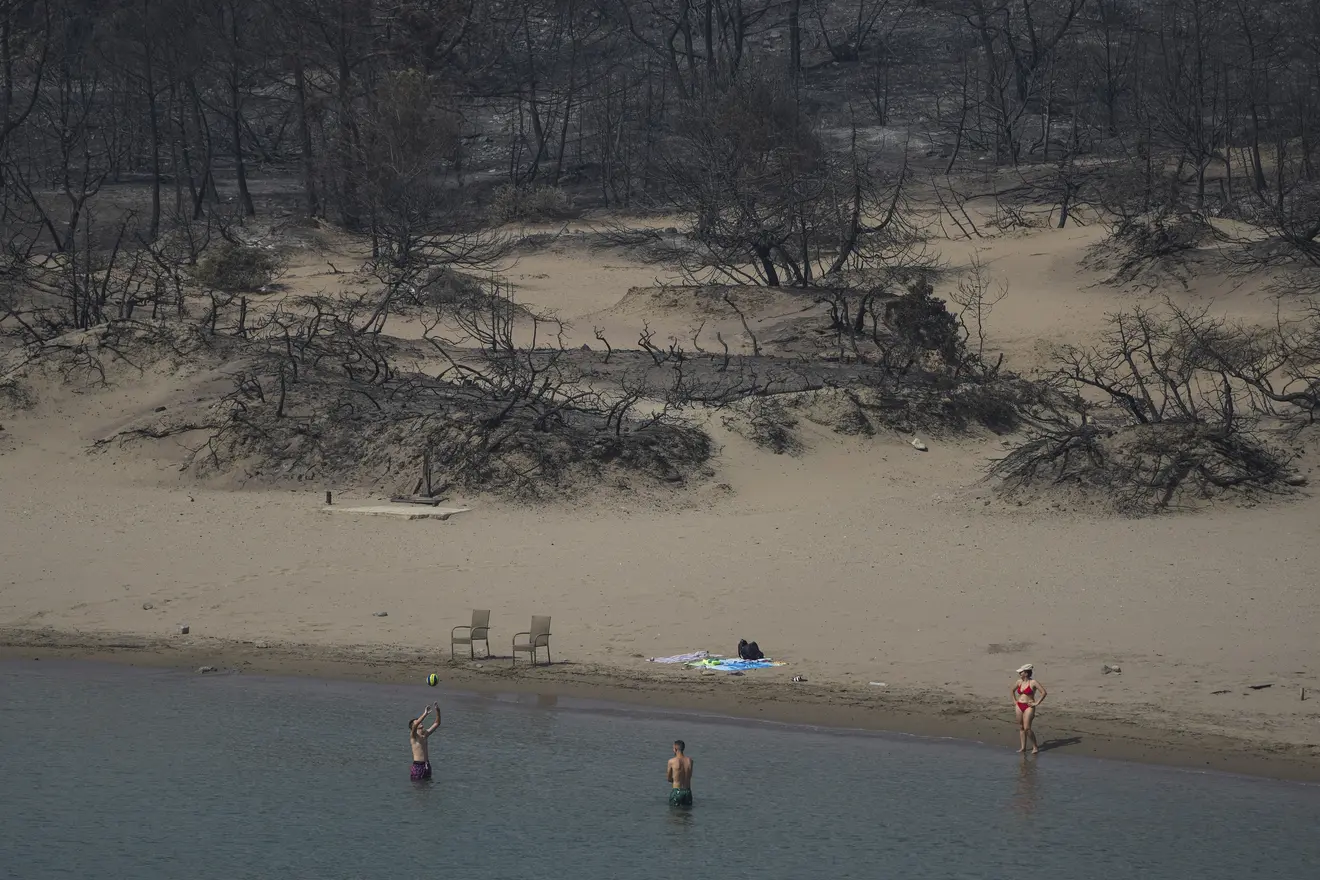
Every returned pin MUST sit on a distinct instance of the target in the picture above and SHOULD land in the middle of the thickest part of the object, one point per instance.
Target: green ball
(433, 679)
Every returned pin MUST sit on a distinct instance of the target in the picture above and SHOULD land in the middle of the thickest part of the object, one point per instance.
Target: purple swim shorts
(421, 770)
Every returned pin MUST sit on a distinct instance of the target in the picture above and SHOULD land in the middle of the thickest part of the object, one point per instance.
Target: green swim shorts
(680, 797)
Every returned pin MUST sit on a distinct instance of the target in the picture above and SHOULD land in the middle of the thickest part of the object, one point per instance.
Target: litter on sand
(879, 684)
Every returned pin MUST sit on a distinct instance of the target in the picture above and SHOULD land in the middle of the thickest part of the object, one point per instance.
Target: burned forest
(310, 216)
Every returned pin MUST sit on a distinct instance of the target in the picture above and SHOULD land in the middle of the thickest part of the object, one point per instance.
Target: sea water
(112, 772)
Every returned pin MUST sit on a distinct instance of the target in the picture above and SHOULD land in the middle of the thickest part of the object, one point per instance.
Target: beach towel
(681, 658)
(724, 664)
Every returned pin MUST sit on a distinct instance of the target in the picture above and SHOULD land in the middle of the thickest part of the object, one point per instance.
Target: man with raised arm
(679, 774)
(417, 736)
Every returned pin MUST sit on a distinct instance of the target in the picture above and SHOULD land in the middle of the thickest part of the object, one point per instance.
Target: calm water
(112, 772)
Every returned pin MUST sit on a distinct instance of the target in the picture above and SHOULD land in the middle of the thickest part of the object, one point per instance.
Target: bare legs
(1024, 718)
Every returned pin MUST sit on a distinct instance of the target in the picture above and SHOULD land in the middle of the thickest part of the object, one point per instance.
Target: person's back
(679, 775)
(682, 771)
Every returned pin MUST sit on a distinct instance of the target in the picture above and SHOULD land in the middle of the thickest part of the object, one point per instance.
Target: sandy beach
(1096, 731)
(859, 560)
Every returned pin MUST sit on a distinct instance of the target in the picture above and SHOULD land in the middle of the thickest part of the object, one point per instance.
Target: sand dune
(859, 561)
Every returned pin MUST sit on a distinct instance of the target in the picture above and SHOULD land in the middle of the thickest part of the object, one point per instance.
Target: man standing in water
(421, 765)
(679, 774)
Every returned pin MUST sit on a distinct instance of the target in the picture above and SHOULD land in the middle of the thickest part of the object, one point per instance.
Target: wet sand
(892, 709)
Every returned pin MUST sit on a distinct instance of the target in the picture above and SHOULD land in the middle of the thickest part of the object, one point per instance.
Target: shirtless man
(679, 774)
(421, 765)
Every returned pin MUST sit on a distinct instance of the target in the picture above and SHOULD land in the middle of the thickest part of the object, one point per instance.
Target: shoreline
(1090, 731)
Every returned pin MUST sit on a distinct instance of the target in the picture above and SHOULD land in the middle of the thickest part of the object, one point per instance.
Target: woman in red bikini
(1027, 695)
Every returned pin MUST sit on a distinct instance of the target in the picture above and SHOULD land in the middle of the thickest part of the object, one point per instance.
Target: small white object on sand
(879, 684)
(917, 444)
(402, 511)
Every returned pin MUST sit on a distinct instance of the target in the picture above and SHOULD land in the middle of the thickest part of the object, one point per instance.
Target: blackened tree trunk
(794, 39)
(236, 118)
(305, 135)
(149, 77)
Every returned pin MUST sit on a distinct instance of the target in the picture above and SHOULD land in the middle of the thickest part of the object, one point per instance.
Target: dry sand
(860, 561)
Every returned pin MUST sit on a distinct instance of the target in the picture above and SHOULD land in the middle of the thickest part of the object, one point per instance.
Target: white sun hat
(1025, 667)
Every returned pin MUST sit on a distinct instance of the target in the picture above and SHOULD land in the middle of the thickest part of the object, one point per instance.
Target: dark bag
(749, 650)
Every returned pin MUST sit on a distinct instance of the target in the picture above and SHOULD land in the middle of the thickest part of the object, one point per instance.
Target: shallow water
(115, 772)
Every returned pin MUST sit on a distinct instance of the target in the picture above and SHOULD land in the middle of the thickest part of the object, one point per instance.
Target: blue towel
(721, 664)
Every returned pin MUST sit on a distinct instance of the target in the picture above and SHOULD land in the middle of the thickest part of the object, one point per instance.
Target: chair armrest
(515, 636)
(453, 632)
(542, 640)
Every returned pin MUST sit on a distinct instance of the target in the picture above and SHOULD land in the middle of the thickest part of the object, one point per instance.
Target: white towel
(681, 658)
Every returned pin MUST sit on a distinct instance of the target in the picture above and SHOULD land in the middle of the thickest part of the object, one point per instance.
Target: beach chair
(537, 637)
(479, 631)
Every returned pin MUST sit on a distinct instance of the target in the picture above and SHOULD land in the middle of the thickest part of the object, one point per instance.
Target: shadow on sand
(1051, 744)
